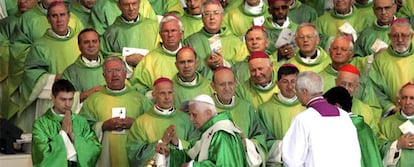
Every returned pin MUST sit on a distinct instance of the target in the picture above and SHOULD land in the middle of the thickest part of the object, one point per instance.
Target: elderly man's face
(194, 6)
(348, 80)
(341, 51)
(212, 18)
(260, 70)
(186, 64)
(307, 40)
(256, 41)
(279, 11)
(401, 37)
(25, 5)
(224, 84)
(342, 6)
(58, 18)
(199, 115)
(115, 75)
(129, 9)
(384, 11)
(88, 3)
(287, 85)
(171, 35)
(89, 44)
(164, 95)
(406, 100)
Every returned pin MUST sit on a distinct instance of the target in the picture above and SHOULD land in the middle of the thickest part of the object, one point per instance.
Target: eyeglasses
(283, 7)
(386, 8)
(306, 36)
(340, 48)
(348, 84)
(402, 35)
(115, 70)
(211, 13)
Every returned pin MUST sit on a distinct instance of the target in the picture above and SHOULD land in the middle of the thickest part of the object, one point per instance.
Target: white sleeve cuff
(389, 158)
(70, 149)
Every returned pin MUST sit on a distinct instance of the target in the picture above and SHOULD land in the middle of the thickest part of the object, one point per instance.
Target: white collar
(171, 52)
(254, 9)
(308, 60)
(163, 111)
(266, 86)
(232, 102)
(91, 63)
(191, 83)
(406, 116)
(285, 24)
(285, 99)
(59, 36)
(116, 91)
(130, 22)
(54, 112)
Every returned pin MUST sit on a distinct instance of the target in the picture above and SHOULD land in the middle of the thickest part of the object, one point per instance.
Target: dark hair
(339, 95)
(62, 85)
(85, 31)
(286, 70)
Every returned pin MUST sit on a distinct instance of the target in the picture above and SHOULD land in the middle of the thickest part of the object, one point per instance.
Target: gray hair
(343, 37)
(311, 25)
(169, 18)
(114, 58)
(211, 2)
(310, 81)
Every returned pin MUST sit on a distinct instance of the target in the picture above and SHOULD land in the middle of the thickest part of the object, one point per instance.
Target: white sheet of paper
(378, 45)
(287, 36)
(258, 21)
(121, 113)
(215, 44)
(347, 28)
(406, 127)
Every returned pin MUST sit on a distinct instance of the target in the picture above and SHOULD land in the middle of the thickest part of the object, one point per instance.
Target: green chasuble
(48, 148)
(360, 108)
(239, 20)
(142, 34)
(83, 13)
(4, 69)
(370, 155)
(43, 61)
(389, 72)
(390, 132)
(225, 148)
(277, 114)
(191, 24)
(255, 94)
(406, 11)
(318, 5)
(367, 38)
(104, 13)
(97, 108)
(245, 117)
(232, 48)
(162, 7)
(322, 60)
(185, 91)
(157, 63)
(328, 75)
(84, 77)
(300, 13)
(33, 24)
(273, 32)
(11, 7)
(366, 11)
(329, 23)
(149, 128)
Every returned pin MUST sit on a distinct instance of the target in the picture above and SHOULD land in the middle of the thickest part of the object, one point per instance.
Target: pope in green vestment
(104, 13)
(245, 117)
(184, 91)
(225, 147)
(83, 76)
(150, 127)
(98, 107)
(142, 34)
(390, 133)
(240, 19)
(48, 147)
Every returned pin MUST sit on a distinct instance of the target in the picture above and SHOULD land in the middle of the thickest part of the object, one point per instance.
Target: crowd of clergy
(210, 82)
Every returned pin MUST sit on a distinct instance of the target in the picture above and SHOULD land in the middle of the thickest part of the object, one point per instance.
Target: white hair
(310, 81)
(202, 106)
